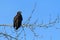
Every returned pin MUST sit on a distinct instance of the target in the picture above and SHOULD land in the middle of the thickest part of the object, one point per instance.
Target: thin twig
(7, 35)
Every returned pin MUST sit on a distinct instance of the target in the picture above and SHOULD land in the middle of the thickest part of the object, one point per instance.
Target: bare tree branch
(39, 25)
(28, 20)
(6, 35)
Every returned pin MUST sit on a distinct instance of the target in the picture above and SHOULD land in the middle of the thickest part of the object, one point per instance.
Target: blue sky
(44, 8)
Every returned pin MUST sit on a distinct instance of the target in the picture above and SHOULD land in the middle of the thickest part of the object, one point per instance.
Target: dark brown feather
(17, 20)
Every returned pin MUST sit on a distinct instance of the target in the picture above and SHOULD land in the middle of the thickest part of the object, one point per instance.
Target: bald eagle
(17, 20)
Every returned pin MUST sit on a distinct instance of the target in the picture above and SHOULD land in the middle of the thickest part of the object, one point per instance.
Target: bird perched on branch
(17, 20)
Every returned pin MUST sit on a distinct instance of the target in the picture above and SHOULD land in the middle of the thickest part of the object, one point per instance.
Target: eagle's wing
(14, 21)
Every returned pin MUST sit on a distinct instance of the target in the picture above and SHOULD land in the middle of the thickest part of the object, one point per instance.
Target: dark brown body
(17, 20)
